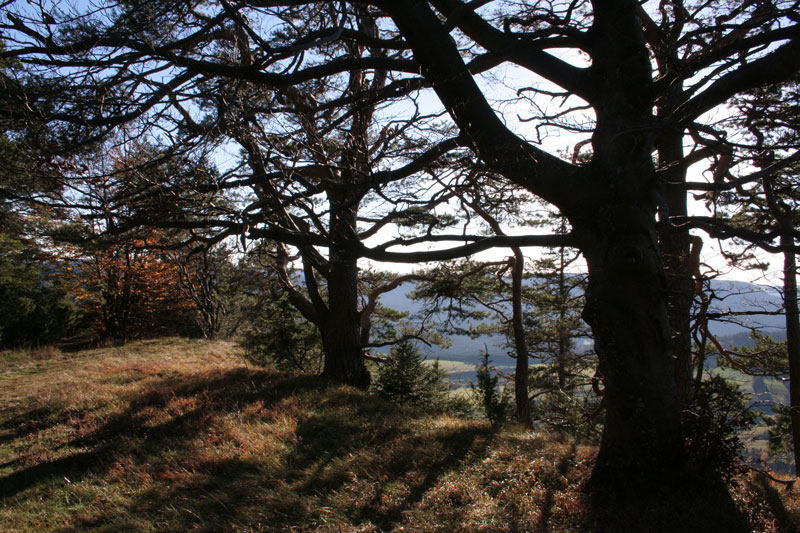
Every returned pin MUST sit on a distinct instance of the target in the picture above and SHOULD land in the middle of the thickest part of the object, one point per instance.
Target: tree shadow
(122, 434)
(697, 505)
(32, 421)
(775, 503)
(349, 455)
(543, 525)
(455, 449)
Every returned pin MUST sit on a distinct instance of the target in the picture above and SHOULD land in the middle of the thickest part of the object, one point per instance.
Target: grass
(450, 366)
(177, 435)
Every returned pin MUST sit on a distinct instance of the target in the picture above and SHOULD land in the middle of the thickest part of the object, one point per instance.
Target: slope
(176, 435)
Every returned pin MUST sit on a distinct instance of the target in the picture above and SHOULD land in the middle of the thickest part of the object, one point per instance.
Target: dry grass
(179, 435)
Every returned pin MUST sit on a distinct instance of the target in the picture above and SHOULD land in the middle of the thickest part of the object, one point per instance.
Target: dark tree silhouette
(648, 76)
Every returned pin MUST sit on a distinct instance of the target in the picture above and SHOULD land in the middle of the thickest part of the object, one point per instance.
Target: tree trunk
(792, 340)
(626, 302)
(674, 245)
(340, 327)
(340, 331)
(626, 307)
(520, 344)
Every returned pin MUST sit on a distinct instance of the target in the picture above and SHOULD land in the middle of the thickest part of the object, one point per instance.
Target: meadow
(184, 435)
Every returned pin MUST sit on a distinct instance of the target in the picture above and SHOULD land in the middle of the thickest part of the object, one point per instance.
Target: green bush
(712, 427)
(405, 378)
(280, 337)
(496, 404)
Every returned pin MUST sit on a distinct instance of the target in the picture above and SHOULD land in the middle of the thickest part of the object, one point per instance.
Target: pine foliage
(495, 403)
(405, 378)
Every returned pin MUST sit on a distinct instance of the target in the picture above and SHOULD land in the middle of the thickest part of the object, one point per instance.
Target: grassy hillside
(764, 392)
(179, 435)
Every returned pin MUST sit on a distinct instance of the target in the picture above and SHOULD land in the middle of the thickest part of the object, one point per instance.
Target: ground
(179, 435)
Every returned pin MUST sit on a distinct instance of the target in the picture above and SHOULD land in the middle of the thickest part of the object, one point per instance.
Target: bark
(675, 255)
(340, 325)
(520, 344)
(340, 329)
(792, 340)
(626, 301)
(626, 308)
(783, 215)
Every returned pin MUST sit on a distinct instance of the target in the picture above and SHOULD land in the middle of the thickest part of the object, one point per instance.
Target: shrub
(405, 378)
(712, 425)
(496, 404)
(280, 337)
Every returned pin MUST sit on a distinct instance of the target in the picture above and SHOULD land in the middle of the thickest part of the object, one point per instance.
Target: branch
(484, 243)
(301, 303)
(738, 182)
(538, 171)
(775, 67)
(718, 229)
(525, 53)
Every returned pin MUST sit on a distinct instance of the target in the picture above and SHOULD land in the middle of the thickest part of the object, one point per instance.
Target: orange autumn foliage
(132, 291)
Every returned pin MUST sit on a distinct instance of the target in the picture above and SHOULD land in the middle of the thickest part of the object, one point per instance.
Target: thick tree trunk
(792, 341)
(675, 255)
(626, 302)
(340, 331)
(626, 308)
(520, 344)
(340, 326)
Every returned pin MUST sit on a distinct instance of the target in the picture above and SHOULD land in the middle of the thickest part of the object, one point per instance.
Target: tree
(493, 288)
(770, 118)
(648, 73)
(566, 387)
(612, 200)
(201, 270)
(125, 279)
(35, 307)
(406, 379)
(130, 289)
(460, 292)
(310, 171)
(486, 390)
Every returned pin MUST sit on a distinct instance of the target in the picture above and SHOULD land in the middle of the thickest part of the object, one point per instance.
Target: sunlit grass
(177, 435)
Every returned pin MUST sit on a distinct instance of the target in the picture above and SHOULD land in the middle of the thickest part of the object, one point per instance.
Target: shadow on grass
(431, 459)
(133, 428)
(700, 506)
(350, 459)
(772, 497)
(543, 526)
(32, 421)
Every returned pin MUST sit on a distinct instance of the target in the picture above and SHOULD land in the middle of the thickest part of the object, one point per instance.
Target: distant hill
(742, 297)
(743, 338)
(736, 296)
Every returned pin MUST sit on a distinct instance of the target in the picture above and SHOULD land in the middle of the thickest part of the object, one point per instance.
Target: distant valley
(755, 302)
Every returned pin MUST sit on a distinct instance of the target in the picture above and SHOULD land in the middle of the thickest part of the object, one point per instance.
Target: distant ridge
(757, 301)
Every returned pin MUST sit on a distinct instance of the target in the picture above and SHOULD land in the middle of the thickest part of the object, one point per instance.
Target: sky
(501, 85)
